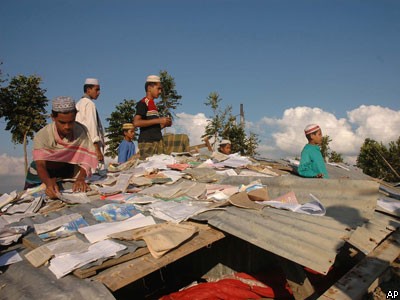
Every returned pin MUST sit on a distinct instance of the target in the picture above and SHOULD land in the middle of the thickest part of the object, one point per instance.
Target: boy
(150, 140)
(312, 163)
(127, 148)
(225, 147)
(88, 115)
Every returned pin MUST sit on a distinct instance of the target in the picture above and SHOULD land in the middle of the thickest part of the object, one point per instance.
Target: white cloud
(288, 136)
(192, 125)
(12, 174)
(11, 166)
(284, 137)
(379, 123)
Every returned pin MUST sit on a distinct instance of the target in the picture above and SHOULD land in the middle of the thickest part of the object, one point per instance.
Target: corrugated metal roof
(308, 240)
(370, 234)
(311, 241)
(351, 202)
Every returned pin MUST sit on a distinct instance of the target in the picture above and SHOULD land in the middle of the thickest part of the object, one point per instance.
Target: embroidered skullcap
(63, 104)
(224, 142)
(127, 126)
(311, 128)
(153, 78)
(93, 81)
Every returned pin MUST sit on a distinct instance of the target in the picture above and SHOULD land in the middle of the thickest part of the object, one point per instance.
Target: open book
(289, 202)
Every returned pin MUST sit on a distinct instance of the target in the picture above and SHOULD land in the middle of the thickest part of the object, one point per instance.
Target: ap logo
(392, 295)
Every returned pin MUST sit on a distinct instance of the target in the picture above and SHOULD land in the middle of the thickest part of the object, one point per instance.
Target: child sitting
(312, 164)
(225, 147)
(127, 148)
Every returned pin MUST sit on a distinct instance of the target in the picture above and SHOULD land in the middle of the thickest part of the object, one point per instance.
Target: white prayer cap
(153, 78)
(93, 81)
(311, 128)
(63, 104)
(224, 142)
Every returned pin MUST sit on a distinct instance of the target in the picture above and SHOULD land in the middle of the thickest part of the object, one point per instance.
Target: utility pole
(241, 116)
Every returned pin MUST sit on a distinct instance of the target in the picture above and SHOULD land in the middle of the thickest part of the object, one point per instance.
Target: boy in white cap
(312, 164)
(150, 140)
(126, 148)
(61, 149)
(88, 115)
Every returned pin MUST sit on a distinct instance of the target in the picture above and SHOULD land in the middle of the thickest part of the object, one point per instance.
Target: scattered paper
(71, 197)
(7, 198)
(289, 202)
(10, 258)
(64, 264)
(120, 186)
(55, 223)
(101, 231)
(388, 204)
(114, 212)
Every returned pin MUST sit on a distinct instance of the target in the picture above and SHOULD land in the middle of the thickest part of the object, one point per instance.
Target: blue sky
(303, 60)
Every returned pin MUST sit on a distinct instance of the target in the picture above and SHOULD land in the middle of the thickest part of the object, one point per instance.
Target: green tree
(124, 113)
(252, 143)
(223, 124)
(22, 105)
(327, 153)
(325, 146)
(335, 157)
(216, 124)
(378, 161)
(169, 96)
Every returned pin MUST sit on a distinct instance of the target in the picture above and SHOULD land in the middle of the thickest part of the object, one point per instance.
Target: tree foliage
(124, 113)
(223, 124)
(218, 121)
(327, 153)
(22, 105)
(379, 161)
(169, 96)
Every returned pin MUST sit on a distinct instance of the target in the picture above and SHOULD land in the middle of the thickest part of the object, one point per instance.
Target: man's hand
(52, 190)
(80, 186)
(165, 122)
(100, 156)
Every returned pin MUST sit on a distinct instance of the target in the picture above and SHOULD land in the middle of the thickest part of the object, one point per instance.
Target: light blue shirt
(125, 151)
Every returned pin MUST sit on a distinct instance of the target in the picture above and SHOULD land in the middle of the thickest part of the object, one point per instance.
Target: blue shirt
(312, 163)
(125, 151)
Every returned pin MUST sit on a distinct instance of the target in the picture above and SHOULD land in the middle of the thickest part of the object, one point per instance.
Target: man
(150, 140)
(88, 115)
(61, 149)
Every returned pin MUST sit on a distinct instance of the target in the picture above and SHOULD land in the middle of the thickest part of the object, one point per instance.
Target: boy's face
(129, 134)
(226, 149)
(155, 90)
(316, 137)
(64, 123)
(93, 92)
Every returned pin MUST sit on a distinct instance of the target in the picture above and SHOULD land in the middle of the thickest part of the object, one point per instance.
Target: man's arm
(100, 156)
(138, 121)
(52, 189)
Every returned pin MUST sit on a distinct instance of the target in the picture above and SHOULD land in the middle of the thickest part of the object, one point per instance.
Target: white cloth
(88, 116)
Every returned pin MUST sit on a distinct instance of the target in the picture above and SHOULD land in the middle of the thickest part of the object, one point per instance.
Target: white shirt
(88, 116)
